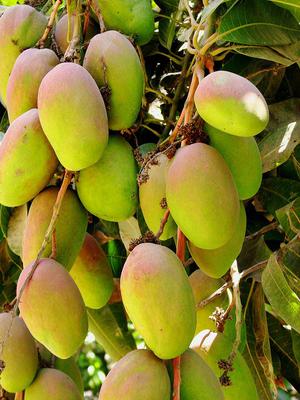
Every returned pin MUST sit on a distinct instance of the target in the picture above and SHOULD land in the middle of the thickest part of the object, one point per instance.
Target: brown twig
(54, 247)
(263, 230)
(72, 53)
(86, 18)
(116, 294)
(99, 16)
(41, 43)
(275, 69)
(19, 396)
(163, 224)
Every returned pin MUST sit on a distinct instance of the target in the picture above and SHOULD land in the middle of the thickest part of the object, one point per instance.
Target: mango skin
(216, 262)
(27, 161)
(232, 104)
(125, 79)
(113, 179)
(18, 353)
(138, 375)
(151, 193)
(69, 101)
(21, 26)
(29, 69)
(202, 196)
(52, 292)
(69, 232)
(92, 274)
(242, 157)
(162, 309)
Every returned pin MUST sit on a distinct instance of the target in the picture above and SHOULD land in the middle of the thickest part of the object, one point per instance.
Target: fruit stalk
(41, 42)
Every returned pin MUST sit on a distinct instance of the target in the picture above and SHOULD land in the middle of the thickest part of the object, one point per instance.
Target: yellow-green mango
(92, 274)
(27, 161)
(21, 26)
(134, 18)
(114, 183)
(70, 227)
(137, 376)
(158, 299)
(52, 308)
(232, 104)
(73, 115)
(242, 157)
(216, 262)
(202, 196)
(125, 79)
(51, 384)
(152, 193)
(18, 352)
(29, 69)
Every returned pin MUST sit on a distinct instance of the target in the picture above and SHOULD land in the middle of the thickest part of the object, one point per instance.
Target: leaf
(292, 5)
(210, 9)
(129, 230)
(253, 252)
(289, 218)
(4, 218)
(16, 227)
(167, 28)
(281, 54)
(116, 255)
(296, 348)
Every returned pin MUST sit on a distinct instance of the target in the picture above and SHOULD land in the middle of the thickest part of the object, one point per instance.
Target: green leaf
(210, 9)
(289, 218)
(167, 29)
(16, 227)
(281, 54)
(292, 5)
(296, 347)
(253, 251)
(116, 255)
(4, 218)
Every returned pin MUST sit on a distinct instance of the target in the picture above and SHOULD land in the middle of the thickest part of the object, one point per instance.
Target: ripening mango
(52, 308)
(113, 182)
(137, 376)
(232, 104)
(202, 196)
(17, 352)
(70, 227)
(29, 69)
(162, 309)
(73, 116)
(125, 79)
(27, 161)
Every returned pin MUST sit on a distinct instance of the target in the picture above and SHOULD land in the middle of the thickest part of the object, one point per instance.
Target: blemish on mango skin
(19, 172)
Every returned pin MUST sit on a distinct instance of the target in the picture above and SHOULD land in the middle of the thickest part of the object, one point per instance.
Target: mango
(242, 157)
(202, 196)
(51, 384)
(29, 69)
(18, 352)
(216, 262)
(125, 79)
(27, 161)
(52, 308)
(232, 104)
(138, 375)
(21, 26)
(134, 18)
(70, 227)
(70, 102)
(92, 274)
(162, 309)
(113, 179)
(153, 194)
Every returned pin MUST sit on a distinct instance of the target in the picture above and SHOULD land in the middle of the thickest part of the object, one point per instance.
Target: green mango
(21, 26)
(52, 308)
(138, 375)
(216, 262)
(232, 104)
(202, 196)
(70, 368)
(27, 161)
(29, 69)
(70, 227)
(113, 179)
(162, 309)
(18, 352)
(69, 101)
(125, 79)
(152, 193)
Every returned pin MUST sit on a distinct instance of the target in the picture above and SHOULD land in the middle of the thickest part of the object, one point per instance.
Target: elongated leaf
(292, 5)
(281, 54)
(4, 218)
(167, 29)
(210, 9)
(289, 218)
(296, 348)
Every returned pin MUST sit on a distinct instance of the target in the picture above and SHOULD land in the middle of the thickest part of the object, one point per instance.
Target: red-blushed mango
(137, 376)
(159, 300)
(18, 352)
(21, 26)
(202, 196)
(153, 196)
(51, 384)
(92, 274)
(23, 84)
(27, 161)
(232, 104)
(216, 262)
(242, 157)
(73, 116)
(52, 308)
(125, 79)
(114, 183)
(70, 227)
